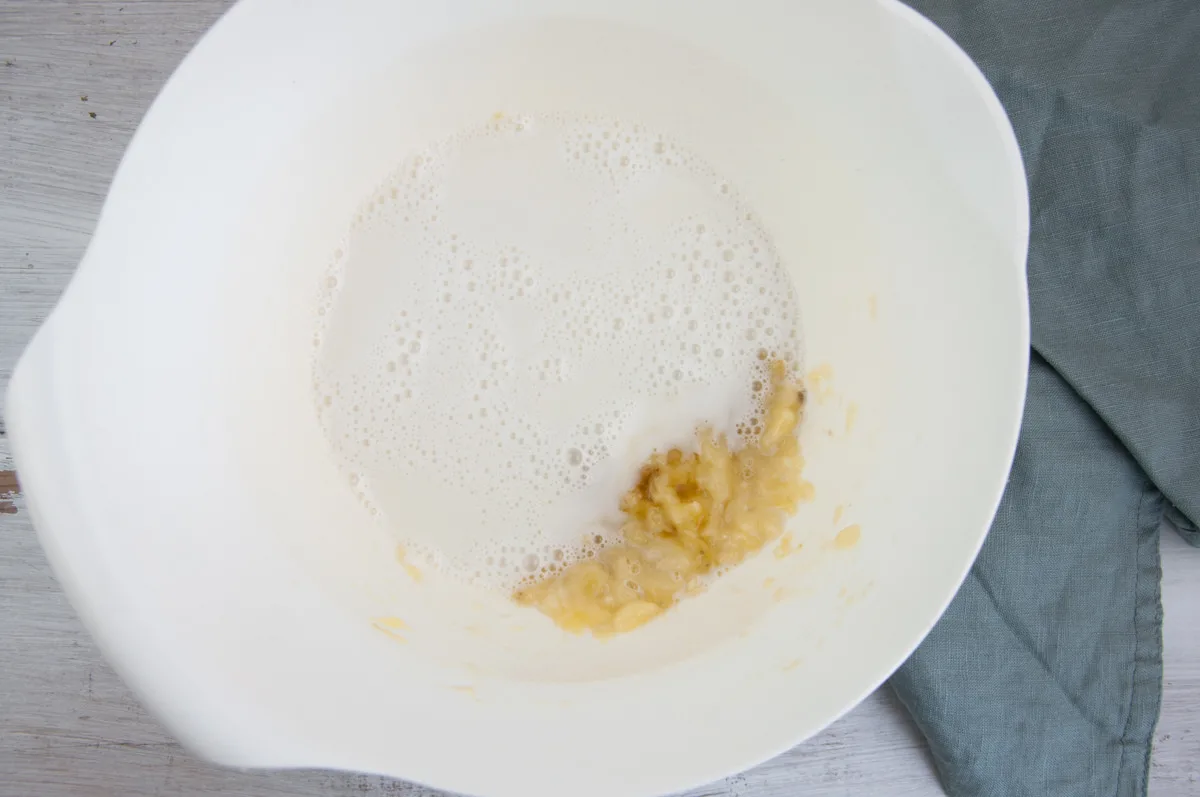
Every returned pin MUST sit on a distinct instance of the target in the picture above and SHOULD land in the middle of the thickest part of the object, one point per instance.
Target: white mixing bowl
(164, 430)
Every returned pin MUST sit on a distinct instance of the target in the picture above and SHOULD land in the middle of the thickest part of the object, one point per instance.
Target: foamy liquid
(519, 316)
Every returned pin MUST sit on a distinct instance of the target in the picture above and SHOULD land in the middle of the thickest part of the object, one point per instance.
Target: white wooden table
(75, 79)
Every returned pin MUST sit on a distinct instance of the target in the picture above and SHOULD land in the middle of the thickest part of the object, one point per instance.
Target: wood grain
(75, 78)
(8, 490)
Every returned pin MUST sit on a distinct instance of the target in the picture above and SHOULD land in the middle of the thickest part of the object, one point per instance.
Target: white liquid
(519, 316)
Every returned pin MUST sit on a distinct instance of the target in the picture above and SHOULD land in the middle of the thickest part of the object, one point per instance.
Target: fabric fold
(1044, 675)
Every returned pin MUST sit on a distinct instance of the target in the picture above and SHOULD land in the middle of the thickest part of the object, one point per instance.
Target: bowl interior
(887, 174)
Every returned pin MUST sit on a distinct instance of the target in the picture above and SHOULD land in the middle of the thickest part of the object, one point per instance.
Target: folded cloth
(1045, 674)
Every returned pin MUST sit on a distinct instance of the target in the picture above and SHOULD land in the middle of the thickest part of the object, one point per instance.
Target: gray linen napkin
(1045, 674)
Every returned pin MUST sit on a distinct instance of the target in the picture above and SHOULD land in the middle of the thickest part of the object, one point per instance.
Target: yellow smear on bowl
(391, 627)
(848, 537)
(413, 571)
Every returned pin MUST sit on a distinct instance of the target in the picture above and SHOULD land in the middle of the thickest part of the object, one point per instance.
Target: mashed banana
(688, 516)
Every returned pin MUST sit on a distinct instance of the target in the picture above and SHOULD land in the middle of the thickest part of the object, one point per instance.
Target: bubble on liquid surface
(492, 386)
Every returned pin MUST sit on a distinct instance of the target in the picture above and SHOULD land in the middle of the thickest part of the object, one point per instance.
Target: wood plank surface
(75, 79)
